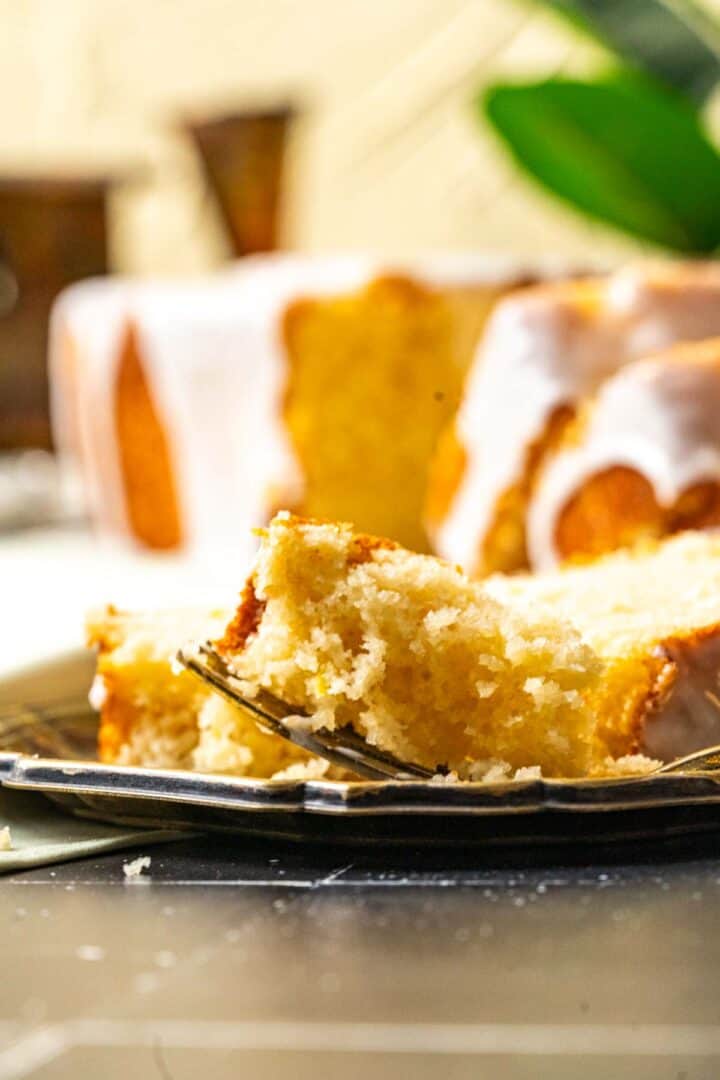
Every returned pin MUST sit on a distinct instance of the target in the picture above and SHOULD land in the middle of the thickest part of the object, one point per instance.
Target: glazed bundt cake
(546, 352)
(197, 408)
(406, 649)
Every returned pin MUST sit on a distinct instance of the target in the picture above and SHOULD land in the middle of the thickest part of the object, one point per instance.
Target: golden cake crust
(245, 620)
(147, 473)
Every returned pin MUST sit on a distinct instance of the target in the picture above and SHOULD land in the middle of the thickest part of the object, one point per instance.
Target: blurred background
(386, 153)
(167, 137)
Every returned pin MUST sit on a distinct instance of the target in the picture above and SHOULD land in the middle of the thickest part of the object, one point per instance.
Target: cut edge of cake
(421, 661)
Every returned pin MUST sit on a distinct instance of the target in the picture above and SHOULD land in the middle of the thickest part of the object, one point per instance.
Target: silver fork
(343, 747)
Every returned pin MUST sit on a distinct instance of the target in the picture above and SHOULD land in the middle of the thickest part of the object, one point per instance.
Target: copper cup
(53, 231)
(243, 155)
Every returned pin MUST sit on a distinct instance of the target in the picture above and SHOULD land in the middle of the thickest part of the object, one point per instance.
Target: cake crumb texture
(149, 486)
(403, 350)
(137, 866)
(421, 661)
(157, 715)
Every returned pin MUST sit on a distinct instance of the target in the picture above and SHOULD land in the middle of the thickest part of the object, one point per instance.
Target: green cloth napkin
(42, 834)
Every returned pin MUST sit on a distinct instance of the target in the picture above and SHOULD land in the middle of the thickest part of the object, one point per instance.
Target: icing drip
(552, 347)
(540, 351)
(659, 417)
(215, 366)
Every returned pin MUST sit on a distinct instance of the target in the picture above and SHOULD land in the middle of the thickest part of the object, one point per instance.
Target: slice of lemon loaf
(154, 714)
(403, 647)
(653, 615)
(586, 671)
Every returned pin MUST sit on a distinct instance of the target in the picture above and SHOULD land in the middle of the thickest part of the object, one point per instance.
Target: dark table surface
(240, 958)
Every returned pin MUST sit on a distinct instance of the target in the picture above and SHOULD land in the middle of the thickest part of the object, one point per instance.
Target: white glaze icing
(536, 356)
(215, 365)
(547, 348)
(660, 417)
(664, 303)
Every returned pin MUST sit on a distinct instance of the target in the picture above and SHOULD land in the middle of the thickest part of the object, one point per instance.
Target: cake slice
(653, 615)
(154, 714)
(597, 670)
(418, 659)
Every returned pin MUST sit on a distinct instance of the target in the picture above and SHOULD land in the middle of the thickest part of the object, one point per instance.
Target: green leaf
(675, 40)
(622, 148)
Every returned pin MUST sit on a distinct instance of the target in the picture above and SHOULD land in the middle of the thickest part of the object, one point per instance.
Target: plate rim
(356, 798)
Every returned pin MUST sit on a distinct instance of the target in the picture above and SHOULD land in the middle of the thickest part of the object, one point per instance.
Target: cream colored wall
(388, 156)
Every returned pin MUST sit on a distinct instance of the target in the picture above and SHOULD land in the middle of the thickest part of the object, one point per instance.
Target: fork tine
(343, 747)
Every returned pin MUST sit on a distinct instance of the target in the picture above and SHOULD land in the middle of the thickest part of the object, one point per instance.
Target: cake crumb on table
(135, 868)
(5, 839)
(528, 772)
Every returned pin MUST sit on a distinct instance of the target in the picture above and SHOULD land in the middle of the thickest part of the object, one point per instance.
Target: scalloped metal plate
(52, 758)
(392, 812)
